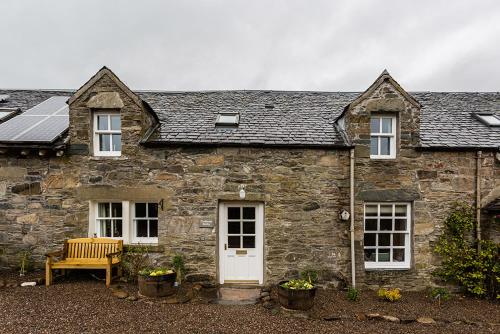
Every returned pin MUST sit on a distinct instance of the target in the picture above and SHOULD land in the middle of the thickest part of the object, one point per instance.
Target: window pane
(386, 210)
(384, 239)
(400, 225)
(386, 224)
(105, 228)
(103, 210)
(233, 227)
(371, 210)
(375, 125)
(400, 211)
(386, 125)
(104, 143)
(117, 142)
(384, 255)
(249, 227)
(233, 242)
(398, 239)
(248, 213)
(140, 210)
(398, 255)
(102, 122)
(374, 145)
(116, 209)
(370, 239)
(153, 210)
(233, 213)
(370, 225)
(249, 242)
(117, 228)
(385, 145)
(370, 255)
(115, 122)
(142, 228)
(153, 228)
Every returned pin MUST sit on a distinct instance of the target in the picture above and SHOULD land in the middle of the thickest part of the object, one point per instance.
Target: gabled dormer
(107, 119)
(383, 121)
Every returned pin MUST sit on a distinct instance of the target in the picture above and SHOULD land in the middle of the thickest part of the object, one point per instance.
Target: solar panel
(48, 107)
(47, 130)
(42, 123)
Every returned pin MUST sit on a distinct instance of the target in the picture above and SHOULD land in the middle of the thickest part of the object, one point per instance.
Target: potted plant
(296, 294)
(156, 282)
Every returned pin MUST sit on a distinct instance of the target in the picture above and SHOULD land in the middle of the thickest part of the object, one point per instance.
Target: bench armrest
(53, 254)
(114, 254)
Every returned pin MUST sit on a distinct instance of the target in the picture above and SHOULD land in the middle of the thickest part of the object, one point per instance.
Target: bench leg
(48, 274)
(108, 276)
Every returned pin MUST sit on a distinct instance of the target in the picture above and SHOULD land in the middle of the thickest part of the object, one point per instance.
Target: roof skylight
(489, 119)
(227, 119)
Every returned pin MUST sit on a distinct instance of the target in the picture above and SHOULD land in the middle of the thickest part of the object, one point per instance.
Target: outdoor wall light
(344, 215)
(242, 191)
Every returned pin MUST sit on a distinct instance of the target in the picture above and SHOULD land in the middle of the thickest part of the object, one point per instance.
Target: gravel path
(86, 306)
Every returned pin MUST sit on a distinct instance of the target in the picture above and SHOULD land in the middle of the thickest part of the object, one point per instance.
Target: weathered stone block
(32, 188)
(12, 172)
(31, 218)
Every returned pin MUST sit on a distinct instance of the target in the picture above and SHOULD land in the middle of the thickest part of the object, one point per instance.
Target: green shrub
(353, 294)
(310, 275)
(391, 295)
(440, 294)
(178, 264)
(476, 271)
(25, 262)
(134, 259)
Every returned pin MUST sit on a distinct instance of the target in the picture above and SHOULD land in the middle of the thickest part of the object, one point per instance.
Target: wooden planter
(157, 286)
(296, 299)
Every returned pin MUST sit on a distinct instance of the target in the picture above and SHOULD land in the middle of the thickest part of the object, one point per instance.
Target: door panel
(241, 242)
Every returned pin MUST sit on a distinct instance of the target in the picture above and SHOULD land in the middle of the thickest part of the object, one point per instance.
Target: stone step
(237, 296)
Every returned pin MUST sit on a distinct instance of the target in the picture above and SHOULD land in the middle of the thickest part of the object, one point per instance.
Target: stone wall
(303, 190)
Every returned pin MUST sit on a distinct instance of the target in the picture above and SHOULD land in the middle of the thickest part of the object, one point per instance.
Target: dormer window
(107, 134)
(383, 137)
(227, 119)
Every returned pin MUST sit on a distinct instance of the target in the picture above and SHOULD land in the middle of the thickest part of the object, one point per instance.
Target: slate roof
(290, 119)
(296, 118)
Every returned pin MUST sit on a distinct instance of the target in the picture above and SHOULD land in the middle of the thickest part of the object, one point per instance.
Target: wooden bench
(86, 253)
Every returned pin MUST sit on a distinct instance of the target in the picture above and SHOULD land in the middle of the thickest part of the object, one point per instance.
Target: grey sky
(232, 44)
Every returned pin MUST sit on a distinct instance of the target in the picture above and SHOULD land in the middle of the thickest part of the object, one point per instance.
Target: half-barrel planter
(296, 297)
(156, 285)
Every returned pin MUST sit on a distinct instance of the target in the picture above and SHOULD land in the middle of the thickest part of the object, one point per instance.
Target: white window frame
(97, 151)
(99, 219)
(142, 240)
(391, 135)
(407, 247)
(128, 228)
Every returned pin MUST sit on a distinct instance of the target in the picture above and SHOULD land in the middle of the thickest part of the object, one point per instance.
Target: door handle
(225, 246)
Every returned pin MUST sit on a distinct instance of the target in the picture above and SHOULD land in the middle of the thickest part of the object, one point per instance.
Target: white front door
(241, 243)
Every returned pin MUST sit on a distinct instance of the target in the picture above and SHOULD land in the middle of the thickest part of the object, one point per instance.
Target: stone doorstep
(237, 296)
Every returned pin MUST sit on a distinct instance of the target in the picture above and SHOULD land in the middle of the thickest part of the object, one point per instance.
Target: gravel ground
(83, 305)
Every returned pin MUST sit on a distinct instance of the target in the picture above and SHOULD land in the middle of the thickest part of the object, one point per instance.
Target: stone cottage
(250, 186)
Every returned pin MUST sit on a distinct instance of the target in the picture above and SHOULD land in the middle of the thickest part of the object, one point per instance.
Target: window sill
(381, 158)
(107, 157)
(387, 268)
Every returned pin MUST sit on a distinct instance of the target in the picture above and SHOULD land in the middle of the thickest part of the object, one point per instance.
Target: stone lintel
(386, 105)
(104, 192)
(105, 100)
(389, 195)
